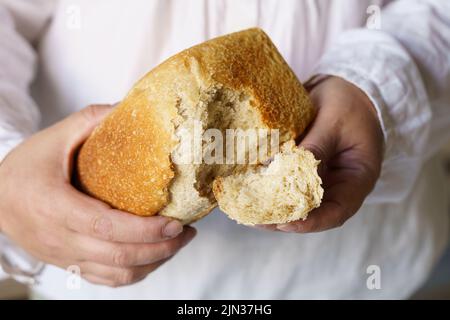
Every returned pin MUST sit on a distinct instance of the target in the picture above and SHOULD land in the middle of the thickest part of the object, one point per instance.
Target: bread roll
(133, 159)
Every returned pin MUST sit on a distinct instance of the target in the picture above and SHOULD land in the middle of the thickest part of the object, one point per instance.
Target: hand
(41, 211)
(347, 137)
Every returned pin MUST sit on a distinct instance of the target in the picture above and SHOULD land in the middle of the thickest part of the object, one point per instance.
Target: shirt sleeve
(21, 25)
(404, 68)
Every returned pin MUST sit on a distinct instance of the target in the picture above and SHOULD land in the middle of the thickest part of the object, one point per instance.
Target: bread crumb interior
(218, 108)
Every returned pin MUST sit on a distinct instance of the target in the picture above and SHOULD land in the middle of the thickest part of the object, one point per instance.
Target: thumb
(77, 127)
(71, 132)
(320, 141)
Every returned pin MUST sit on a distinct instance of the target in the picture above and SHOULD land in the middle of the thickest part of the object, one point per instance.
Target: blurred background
(436, 287)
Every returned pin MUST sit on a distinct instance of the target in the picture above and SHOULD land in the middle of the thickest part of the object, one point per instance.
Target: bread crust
(248, 61)
(126, 162)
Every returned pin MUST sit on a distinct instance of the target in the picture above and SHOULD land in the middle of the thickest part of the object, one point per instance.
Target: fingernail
(287, 227)
(172, 229)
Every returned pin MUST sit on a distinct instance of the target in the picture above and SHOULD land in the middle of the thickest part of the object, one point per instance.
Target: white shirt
(92, 51)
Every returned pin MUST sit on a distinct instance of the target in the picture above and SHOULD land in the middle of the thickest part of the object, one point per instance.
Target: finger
(116, 276)
(321, 140)
(99, 280)
(328, 216)
(267, 227)
(94, 218)
(68, 134)
(358, 164)
(128, 255)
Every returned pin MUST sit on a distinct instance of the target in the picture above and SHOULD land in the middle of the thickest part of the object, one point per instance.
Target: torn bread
(285, 190)
(240, 81)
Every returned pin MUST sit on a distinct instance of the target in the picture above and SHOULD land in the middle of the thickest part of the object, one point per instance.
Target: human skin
(44, 214)
(346, 136)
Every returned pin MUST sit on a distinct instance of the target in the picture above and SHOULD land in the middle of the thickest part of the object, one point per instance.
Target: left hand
(347, 137)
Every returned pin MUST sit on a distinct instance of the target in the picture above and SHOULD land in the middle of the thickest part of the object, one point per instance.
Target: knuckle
(147, 234)
(90, 112)
(102, 226)
(154, 230)
(120, 257)
(318, 151)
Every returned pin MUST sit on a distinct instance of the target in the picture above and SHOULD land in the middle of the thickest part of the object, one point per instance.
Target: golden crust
(126, 161)
(249, 61)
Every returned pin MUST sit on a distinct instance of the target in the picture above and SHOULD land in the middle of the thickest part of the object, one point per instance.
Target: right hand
(45, 215)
